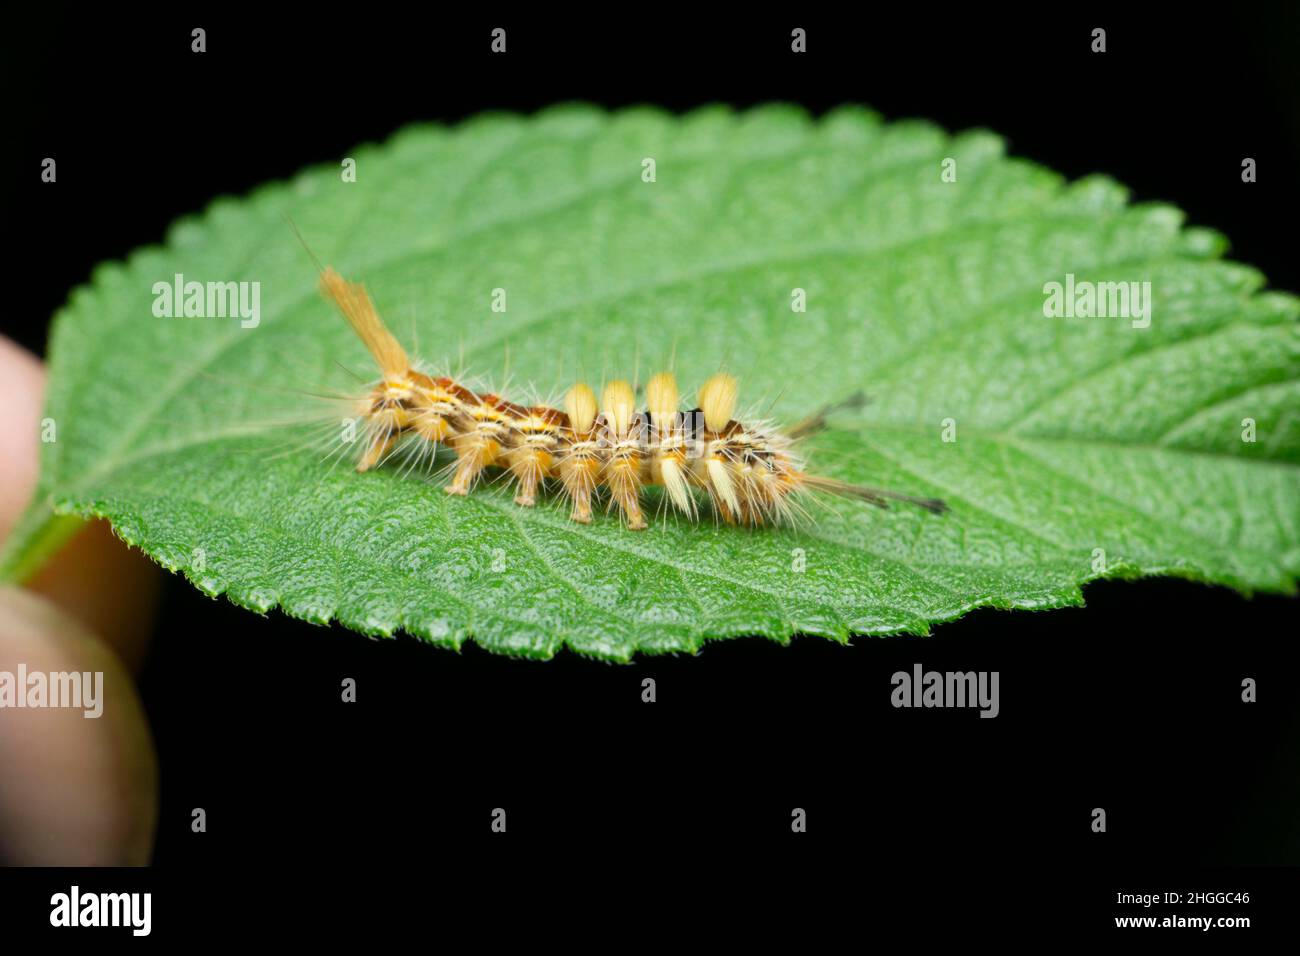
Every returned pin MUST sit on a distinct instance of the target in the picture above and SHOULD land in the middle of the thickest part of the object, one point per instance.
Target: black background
(1132, 704)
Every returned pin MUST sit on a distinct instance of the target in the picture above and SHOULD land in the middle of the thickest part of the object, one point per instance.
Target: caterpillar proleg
(749, 472)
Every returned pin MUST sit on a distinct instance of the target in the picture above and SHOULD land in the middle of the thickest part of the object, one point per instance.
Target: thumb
(75, 790)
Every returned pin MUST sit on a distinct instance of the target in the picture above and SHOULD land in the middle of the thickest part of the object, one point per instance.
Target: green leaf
(1074, 436)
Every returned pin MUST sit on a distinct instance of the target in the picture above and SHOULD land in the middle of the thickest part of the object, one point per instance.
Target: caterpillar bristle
(747, 470)
(876, 496)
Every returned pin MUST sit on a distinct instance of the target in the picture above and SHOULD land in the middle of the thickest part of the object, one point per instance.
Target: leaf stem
(34, 540)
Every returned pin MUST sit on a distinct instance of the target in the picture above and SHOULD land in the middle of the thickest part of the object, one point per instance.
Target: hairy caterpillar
(748, 471)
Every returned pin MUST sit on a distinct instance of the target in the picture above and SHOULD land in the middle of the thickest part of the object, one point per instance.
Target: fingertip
(77, 789)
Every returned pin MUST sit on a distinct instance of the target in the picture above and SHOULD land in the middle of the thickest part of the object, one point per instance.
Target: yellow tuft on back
(718, 401)
(661, 399)
(580, 403)
(619, 405)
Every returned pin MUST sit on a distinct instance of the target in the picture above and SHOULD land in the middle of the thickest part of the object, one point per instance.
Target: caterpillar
(749, 472)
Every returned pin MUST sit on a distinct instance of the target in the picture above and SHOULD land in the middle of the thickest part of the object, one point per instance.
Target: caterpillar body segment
(625, 452)
(749, 472)
(487, 432)
(533, 456)
(580, 475)
(581, 461)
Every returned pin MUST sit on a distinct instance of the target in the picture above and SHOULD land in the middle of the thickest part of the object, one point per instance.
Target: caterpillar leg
(526, 497)
(375, 451)
(461, 480)
(528, 469)
(581, 512)
(474, 456)
(625, 493)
